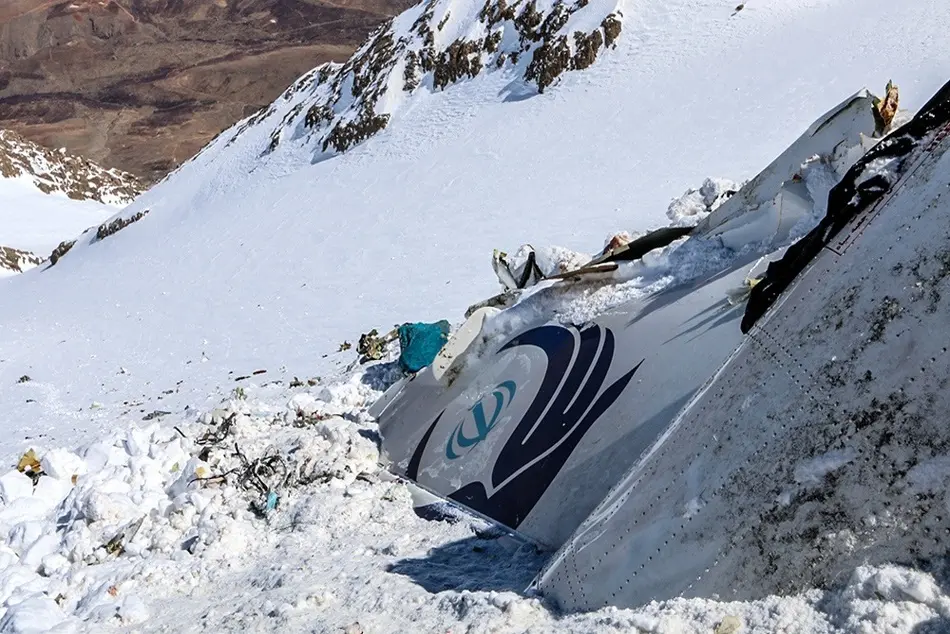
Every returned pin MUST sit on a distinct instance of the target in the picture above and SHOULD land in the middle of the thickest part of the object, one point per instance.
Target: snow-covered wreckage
(759, 425)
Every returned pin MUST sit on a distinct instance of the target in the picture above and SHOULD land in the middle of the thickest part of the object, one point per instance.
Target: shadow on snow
(475, 563)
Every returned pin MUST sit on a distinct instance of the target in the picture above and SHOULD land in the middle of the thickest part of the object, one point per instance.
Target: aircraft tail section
(822, 444)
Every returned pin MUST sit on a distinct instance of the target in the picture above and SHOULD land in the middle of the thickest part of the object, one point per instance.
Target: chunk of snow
(884, 166)
(696, 204)
(36, 615)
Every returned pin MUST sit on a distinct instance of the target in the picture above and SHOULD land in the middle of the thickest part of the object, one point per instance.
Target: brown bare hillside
(143, 84)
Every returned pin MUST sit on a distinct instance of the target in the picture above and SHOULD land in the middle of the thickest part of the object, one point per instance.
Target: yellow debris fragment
(29, 462)
(886, 108)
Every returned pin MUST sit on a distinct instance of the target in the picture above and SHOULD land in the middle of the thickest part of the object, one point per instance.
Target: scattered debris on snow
(791, 208)
(528, 265)
(272, 512)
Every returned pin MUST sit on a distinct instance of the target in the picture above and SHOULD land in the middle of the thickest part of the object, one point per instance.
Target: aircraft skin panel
(817, 448)
(558, 413)
(674, 348)
(841, 127)
(536, 434)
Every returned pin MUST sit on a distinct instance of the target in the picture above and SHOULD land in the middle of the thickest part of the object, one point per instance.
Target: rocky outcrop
(60, 251)
(16, 260)
(97, 234)
(111, 228)
(55, 171)
(337, 106)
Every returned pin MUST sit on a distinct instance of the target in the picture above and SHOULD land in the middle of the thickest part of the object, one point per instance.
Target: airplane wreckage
(762, 428)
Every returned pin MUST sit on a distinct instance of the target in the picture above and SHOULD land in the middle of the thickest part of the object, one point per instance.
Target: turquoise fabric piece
(419, 343)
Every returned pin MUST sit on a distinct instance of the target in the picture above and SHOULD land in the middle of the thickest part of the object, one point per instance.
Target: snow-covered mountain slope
(34, 221)
(252, 259)
(53, 171)
(48, 196)
(430, 47)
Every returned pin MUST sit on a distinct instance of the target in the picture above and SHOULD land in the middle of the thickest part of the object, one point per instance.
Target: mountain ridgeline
(53, 171)
(144, 84)
(337, 106)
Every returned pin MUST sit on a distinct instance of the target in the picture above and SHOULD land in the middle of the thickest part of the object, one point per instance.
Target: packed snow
(696, 204)
(31, 220)
(270, 511)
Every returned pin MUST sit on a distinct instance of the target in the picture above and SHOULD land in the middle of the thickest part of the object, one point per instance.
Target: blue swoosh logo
(458, 441)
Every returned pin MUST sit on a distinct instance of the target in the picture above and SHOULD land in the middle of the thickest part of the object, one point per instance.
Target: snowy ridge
(55, 172)
(119, 531)
(430, 47)
(49, 196)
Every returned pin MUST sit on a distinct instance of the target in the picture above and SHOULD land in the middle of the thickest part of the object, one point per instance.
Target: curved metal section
(821, 445)
(536, 432)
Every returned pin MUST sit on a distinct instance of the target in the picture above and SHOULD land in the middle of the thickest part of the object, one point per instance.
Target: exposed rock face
(611, 26)
(143, 84)
(60, 251)
(337, 106)
(16, 260)
(52, 171)
(96, 234)
(111, 228)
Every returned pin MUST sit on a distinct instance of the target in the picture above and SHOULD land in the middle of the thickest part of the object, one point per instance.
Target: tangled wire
(266, 474)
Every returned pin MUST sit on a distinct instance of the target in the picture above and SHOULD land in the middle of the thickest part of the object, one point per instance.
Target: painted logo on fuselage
(475, 428)
(570, 397)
